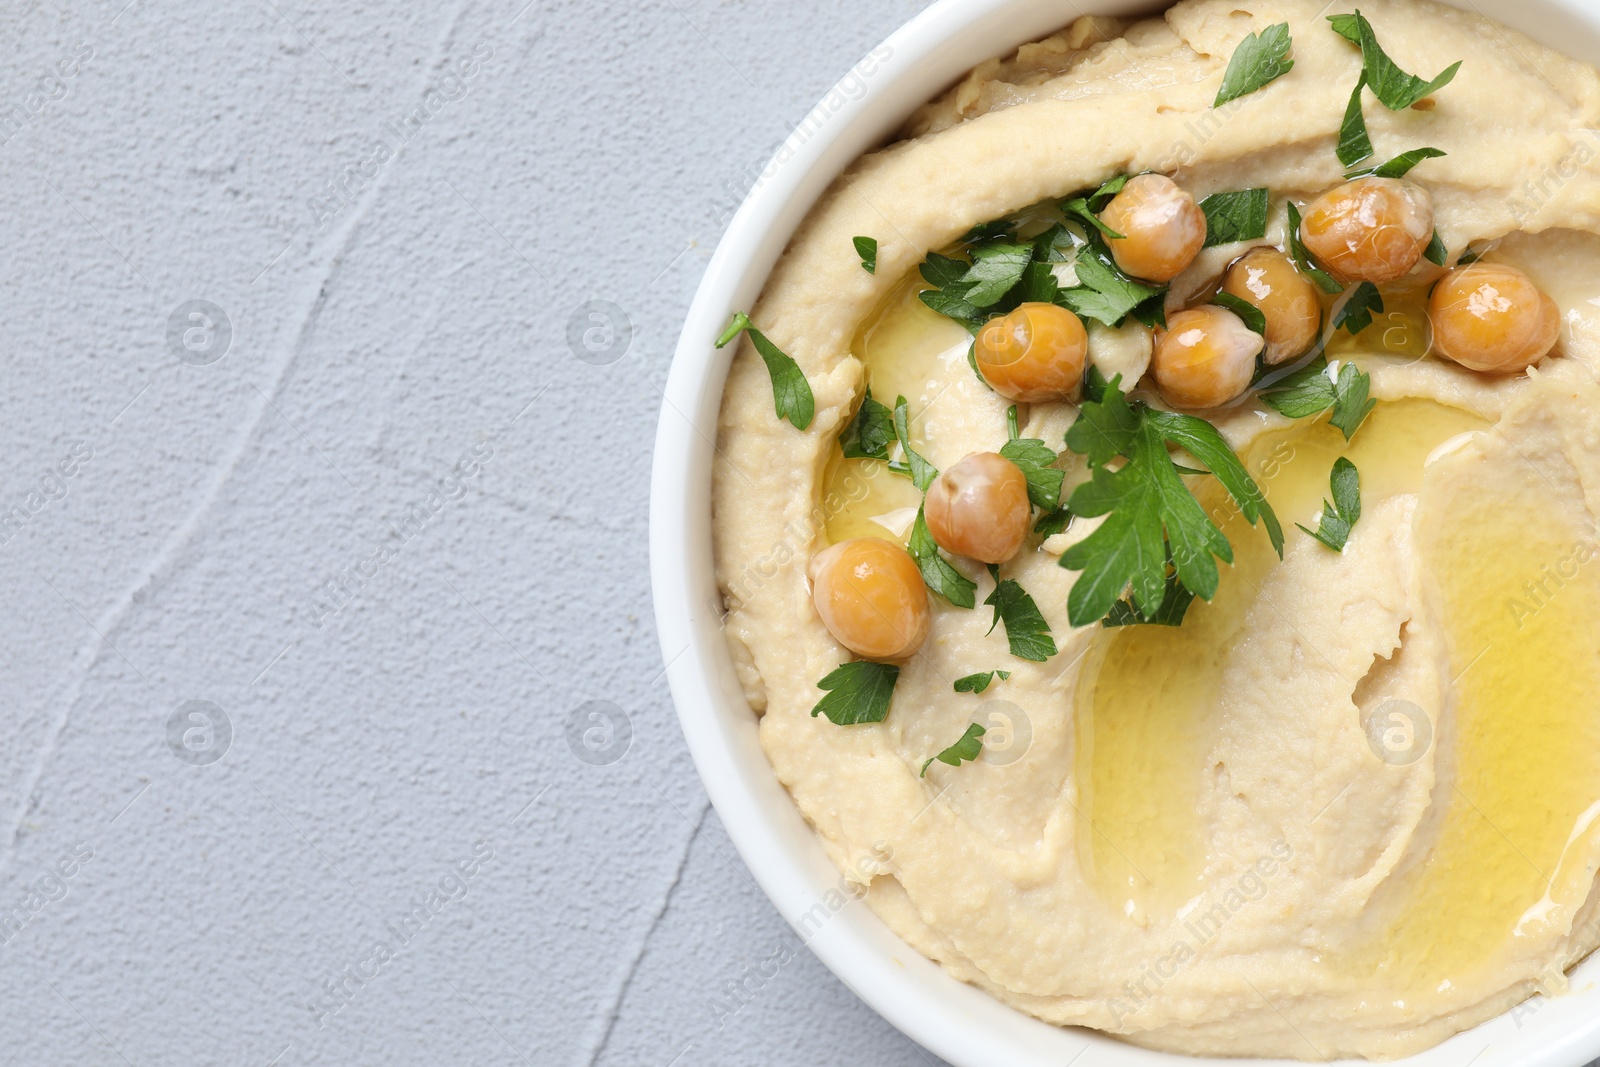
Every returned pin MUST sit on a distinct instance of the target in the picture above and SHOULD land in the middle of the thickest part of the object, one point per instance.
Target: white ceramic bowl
(954, 1020)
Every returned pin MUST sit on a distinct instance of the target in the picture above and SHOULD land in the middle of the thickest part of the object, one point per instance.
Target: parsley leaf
(1436, 253)
(1150, 512)
(937, 573)
(922, 472)
(1089, 205)
(1038, 465)
(977, 683)
(1306, 392)
(996, 269)
(969, 748)
(1393, 87)
(1170, 612)
(1355, 314)
(1253, 316)
(791, 393)
(858, 692)
(1355, 144)
(1260, 58)
(1236, 216)
(867, 436)
(1104, 292)
(1339, 516)
(1053, 522)
(1027, 633)
(1351, 404)
(949, 293)
(867, 249)
(1310, 391)
(1399, 166)
(1302, 258)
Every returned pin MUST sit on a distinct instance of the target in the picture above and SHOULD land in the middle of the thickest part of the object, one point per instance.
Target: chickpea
(1034, 354)
(1162, 228)
(1490, 317)
(979, 508)
(871, 598)
(1370, 230)
(1204, 358)
(1268, 279)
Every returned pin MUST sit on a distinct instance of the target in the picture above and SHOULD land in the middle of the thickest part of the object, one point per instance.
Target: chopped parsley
(1089, 205)
(1339, 516)
(1311, 391)
(1037, 462)
(1053, 522)
(867, 436)
(969, 748)
(1253, 316)
(1235, 216)
(1302, 258)
(1355, 314)
(1027, 634)
(1436, 253)
(996, 269)
(977, 683)
(1151, 515)
(921, 471)
(858, 692)
(1393, 87)
(1260, 58)
(791, 393)
(1355, 144)
(949, 293)
(1399, 166)
(937, 573)
(1170, 612)
(867, 249)
(1104, 291)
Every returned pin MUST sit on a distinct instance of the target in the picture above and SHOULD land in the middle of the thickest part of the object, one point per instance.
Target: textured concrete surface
(321, 542)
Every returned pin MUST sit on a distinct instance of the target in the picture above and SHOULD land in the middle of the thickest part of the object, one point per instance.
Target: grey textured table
(320, 540)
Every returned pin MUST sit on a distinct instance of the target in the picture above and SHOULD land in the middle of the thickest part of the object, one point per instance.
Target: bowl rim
(957, 1021)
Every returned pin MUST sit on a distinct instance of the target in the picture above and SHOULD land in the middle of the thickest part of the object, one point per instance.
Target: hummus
(1349, 807)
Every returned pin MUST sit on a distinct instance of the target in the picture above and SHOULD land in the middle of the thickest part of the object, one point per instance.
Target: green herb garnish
(1436, 253)
(977, 683)
(858, 692)
(1302, 258)
(1088, 206)
(949, 293)
(1170, 612)
(996, 269)
(1037, 462)
(1253, 316)
(1399, 166)
(791, 393)
(1260, 58)
(1151, 515)
(1027, 634)
(969, 748)
(1355, 144)
(1053, 523)
(1340, 515)
(867, 436)
(921, 471)
(1393, 87)
(1104, 292)
(1355, 314)
(1310, 391)
(867, 249)
(1236, 216)
(937, 573)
